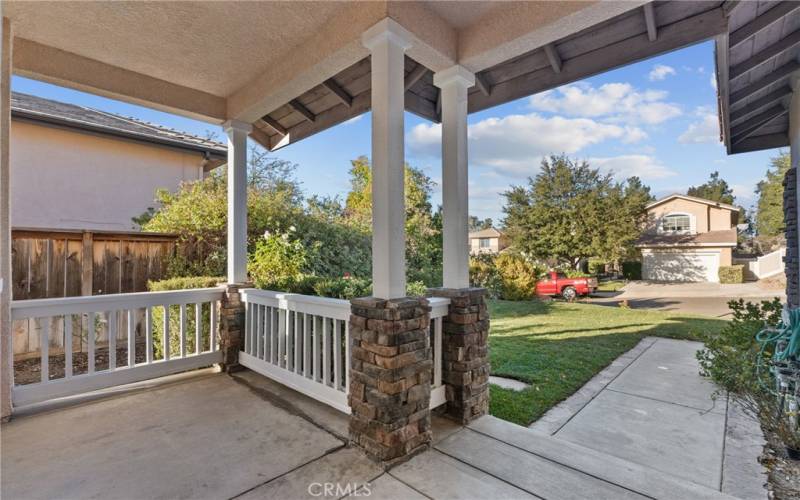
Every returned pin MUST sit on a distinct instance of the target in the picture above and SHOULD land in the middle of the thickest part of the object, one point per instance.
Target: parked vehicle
(558, 284)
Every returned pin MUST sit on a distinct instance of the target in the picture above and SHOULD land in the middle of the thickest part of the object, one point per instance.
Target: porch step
(592, 467)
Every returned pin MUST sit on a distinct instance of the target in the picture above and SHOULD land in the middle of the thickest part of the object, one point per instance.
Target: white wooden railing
(303, 342)
(97, 320)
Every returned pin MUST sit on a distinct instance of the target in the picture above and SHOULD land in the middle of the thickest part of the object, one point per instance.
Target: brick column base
(231, 325)
(390, 377)
(791, 260)
(465, 350)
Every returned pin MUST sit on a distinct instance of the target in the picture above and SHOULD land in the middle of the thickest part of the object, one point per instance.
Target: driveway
(707, 299)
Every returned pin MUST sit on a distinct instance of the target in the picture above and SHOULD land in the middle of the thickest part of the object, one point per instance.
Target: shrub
(276, 262)
(483, 273)
(343, 288)
(632, 270)
(597, 267)
(731, 274)
(181, 283)
(518, 276)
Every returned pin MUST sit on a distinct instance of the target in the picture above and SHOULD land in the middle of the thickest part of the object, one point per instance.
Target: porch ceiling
(755, 62)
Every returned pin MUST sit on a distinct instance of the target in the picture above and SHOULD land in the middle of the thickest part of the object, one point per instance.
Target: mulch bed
(784, 473)
(29, 371)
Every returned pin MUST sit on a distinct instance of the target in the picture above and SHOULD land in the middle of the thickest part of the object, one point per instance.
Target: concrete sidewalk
(653, 289)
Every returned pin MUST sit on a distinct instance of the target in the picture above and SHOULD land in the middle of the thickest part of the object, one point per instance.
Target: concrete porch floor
(214, 436)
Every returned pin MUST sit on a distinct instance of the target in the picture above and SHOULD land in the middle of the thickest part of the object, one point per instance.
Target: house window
(677, 223)
(484, 243)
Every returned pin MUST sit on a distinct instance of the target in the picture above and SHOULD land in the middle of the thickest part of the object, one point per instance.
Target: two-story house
(687, 239)
(489, 240)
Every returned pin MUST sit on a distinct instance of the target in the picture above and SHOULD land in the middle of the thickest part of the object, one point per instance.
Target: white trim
(438, 397)
(692, 223)
(691, 198)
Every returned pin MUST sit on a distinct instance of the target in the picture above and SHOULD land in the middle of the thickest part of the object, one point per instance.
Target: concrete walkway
(654, 289)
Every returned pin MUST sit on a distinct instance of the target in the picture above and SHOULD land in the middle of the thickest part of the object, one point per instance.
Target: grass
(557, 347)
(611, 285)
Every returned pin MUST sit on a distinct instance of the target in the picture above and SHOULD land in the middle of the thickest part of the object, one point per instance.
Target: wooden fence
(51, 263)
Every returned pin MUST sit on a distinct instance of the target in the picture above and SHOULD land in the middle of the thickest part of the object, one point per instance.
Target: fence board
(37, 288)
(20, 258)
(73, 278)
(57, 259)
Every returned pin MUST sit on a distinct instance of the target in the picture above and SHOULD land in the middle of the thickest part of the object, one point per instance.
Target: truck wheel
(569, 293)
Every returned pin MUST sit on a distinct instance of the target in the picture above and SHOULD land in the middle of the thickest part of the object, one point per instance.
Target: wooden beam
(482, 84)
(273, 123)
(260, 137)
(761, 142)
(439, 105)
(325, 120)
(553, 57)
(421, 107)
(783, 72)
(766, 54)
(298, 106)
(650, 21)
(763, 21)
(671, 36)
(760, 103)
(338, 91)
(415, 75)
(745, 130)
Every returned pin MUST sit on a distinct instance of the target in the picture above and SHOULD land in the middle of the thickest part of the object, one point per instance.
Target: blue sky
(656, 119)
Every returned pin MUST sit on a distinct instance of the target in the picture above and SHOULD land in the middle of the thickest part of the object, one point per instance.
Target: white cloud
(744, 192)
(514, 145)
(615, 102)
(705, 130)
(712, 80)
(660, 71)
(644, 166)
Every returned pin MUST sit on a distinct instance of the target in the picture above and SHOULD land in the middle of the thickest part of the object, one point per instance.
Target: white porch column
(6, 366)
(454, 83)
(387, 43)
(237, 199)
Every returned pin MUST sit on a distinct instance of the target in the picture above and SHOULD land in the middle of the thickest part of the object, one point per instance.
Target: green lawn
(611, 285)
(557, 347)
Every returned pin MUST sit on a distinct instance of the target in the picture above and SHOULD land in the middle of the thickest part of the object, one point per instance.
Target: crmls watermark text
(339, 490)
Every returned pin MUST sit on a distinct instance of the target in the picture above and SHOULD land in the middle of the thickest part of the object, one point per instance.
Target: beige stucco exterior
(68, 179)
(704, 217)
(497, 242)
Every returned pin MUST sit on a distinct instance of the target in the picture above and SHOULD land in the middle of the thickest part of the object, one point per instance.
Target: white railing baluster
(90, 334)
(282, 320)
(275, 335)
(212, 339)
(337, 354)
(44, 348)
(326, 351)
(267, 336)
(67, 346)
(291, 323)
(183, 330)
(148, 333)
(259, 331)
(298, 340)
(307, 318)
(165, 334)
(198, 328)
(347, 357)
(248, 333)
(131, 338)
(112, 339)
(317, 345)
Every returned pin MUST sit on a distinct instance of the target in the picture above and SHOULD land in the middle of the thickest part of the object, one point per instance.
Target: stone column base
(231, 325)
(390, 377)
(465, 350)
(792, 259)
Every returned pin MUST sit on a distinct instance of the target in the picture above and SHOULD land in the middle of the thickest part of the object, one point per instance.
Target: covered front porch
(324, 373)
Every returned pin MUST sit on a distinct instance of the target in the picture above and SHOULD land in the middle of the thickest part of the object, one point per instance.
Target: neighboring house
(687, 239)
(80, 168)
(488, 240)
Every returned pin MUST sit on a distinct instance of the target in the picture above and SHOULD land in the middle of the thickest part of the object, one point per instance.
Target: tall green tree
(571, 211)
(769, 210)
(714, 189)
(476, 224)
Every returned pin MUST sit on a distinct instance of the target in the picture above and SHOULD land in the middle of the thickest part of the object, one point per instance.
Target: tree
(769, 209)
(571, 211)
(715, 189)
(476, 224)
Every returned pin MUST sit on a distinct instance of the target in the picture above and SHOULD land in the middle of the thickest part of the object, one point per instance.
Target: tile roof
(486, 233)
(60, 113)
(725, 237)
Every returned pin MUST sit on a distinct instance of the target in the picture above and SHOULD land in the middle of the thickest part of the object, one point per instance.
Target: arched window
(676, 223)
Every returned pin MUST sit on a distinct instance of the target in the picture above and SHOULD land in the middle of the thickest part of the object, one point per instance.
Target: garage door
(668, 266)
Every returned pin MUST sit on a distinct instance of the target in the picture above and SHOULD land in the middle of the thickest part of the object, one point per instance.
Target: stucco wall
(73, 180)
(719, 218)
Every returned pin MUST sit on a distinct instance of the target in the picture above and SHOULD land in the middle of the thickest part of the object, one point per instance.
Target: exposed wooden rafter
(414, 76)
(761, 22)
(338, 91)
(553, 57)
(759, 104)
(783, 72)
(751, 126)
(274, 125)
(298, 106)
(767, 141)
(765, 55)
(650, 21)
(260, 136)
(597, 60)
(482, 84)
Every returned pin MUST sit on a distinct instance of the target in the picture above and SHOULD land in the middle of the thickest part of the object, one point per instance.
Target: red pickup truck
(558, 284)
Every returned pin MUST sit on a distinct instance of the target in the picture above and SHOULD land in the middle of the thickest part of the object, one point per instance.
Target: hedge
(731, 274)
(632, 270)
